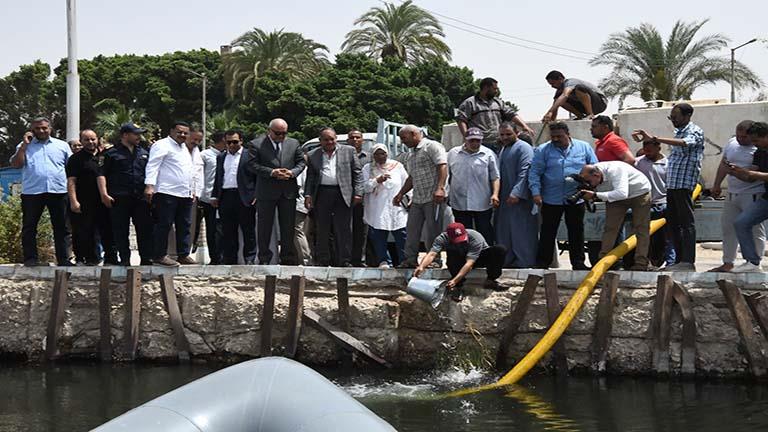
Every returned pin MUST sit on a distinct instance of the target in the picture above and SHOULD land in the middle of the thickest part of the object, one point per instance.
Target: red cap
(456, 232)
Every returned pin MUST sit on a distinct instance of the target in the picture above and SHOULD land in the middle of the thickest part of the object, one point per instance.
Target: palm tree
(113, 114)
(257, 52)
(654, 69)
(406, 32)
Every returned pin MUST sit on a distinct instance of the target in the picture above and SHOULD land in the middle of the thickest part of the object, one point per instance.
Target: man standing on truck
(578, 97)
(486, 111)
(683, 170)
(741, 194)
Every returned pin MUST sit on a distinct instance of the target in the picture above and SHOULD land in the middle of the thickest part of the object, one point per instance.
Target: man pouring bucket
(466, 249)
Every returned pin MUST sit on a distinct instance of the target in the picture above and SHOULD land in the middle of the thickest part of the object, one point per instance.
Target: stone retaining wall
(222, 306)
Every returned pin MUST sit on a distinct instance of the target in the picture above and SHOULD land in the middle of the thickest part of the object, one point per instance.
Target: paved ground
(706, 259)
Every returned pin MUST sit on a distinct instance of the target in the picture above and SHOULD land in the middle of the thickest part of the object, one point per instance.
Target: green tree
(24, 94)
(405, 32)
(257, 52)
(647, 66)
(113, 114)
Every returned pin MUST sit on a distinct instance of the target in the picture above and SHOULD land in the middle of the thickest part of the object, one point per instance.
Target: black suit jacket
(263, 161)
(246, 182)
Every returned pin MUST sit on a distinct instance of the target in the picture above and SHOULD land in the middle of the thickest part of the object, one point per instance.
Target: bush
(10, 234)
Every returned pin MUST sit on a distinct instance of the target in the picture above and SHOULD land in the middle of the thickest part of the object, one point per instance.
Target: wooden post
(132, 314)
(295, 312)
(343, 338)
(759, 309)
(604, 321)
(267, 315)
(342, 288)
(688, 357)
(519, 310)
(753, 346)
(105, 316)
(661, 322)
(553, 311)
(174, 313)
(56, 318)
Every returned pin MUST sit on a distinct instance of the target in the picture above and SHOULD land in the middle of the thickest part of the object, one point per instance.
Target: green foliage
(113, 115)
(257, 52)
(404, 32)
(647, 66)
(24, 94)
(10, 234)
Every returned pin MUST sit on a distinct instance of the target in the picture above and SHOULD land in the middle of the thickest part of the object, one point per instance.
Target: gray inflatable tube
(272, 394)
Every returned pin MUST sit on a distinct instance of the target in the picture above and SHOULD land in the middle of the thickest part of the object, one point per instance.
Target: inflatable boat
(272, 394)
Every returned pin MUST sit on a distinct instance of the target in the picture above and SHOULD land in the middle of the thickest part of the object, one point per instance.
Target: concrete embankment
(221, 309)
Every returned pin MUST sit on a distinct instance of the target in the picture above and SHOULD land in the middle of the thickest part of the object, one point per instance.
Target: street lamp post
(205, 86)
(733, 68)
(73, 79)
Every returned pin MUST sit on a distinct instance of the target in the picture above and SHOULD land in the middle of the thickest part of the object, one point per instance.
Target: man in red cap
(466, 249)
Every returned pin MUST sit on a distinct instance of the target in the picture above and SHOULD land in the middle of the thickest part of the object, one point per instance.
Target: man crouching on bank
(466, 249)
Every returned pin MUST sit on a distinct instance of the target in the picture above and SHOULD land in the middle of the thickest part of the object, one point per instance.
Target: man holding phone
(739, 152)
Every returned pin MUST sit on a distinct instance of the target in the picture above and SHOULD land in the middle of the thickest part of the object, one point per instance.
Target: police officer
(121, 187)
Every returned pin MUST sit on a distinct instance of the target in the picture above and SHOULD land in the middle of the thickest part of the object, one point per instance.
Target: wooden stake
(267, 315)
(174, 313)
(553, 311)
(688, 358)
(757, 303)
(519, 310)
(132, 314)
(295, 309)
(56, 318)
(661, 322)
(343, 338)
(105, 316)
(604, 321)
(342, 288)
(753, 345)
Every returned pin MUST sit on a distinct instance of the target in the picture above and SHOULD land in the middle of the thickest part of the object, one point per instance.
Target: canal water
(77, 397)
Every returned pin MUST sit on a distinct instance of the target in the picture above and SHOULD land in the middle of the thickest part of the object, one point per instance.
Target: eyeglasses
(278, 133)
(233, 142)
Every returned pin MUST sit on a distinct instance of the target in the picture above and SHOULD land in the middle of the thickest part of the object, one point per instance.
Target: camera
(579, 187)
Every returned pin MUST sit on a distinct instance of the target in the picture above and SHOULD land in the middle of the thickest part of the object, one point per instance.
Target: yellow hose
(569, 312)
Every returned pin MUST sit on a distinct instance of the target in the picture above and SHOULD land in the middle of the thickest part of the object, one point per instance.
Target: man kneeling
(466, 249)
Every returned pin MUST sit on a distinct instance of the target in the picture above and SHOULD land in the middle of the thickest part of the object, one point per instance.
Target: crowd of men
(494, 202)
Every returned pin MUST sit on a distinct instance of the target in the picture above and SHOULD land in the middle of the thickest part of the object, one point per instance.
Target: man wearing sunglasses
(276, 161)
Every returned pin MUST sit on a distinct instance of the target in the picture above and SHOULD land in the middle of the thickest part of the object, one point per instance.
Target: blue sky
(157, 26)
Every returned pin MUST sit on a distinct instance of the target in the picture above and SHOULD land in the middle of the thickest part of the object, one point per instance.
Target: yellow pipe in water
(569, 312)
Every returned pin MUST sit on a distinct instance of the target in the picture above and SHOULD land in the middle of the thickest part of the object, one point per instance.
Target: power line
(509, 35)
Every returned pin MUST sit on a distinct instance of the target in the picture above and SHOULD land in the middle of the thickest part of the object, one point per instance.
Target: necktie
(277, 150)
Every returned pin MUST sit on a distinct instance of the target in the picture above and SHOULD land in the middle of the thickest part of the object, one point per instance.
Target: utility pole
(73, 79)
(733, 69)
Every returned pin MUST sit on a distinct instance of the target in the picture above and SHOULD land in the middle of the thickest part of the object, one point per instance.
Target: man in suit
(234, 194)
(334, 185)
(276, 161)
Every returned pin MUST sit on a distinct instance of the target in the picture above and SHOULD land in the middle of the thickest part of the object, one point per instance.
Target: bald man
(276, 161)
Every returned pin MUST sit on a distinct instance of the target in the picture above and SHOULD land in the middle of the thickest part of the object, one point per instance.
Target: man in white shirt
(209, 213)
(169, 188)
(741, 194)
(622, 187)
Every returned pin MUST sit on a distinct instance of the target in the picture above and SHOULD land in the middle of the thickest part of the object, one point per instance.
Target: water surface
(75, 397)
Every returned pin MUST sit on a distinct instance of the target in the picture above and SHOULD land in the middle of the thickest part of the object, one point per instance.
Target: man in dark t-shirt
(88, 216)
(466, 249)
(580, 98)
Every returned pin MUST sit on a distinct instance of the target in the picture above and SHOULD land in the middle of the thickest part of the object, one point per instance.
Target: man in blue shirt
(42, 160)
(552, 162)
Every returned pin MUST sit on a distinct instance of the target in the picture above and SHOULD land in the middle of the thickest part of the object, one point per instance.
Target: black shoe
(581, 267)
(457, 294)
(34, 263)
(144, 262)
(493, 284)
(250, 262)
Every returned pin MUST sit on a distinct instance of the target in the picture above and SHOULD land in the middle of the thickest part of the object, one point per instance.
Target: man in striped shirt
(683, 170)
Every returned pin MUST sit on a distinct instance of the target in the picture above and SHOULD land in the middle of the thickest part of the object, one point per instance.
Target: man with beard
(683, 170)
(42, 160)
(486, 111)
(86, 212)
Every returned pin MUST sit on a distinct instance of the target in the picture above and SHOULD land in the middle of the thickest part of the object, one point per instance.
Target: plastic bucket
(431, 291)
